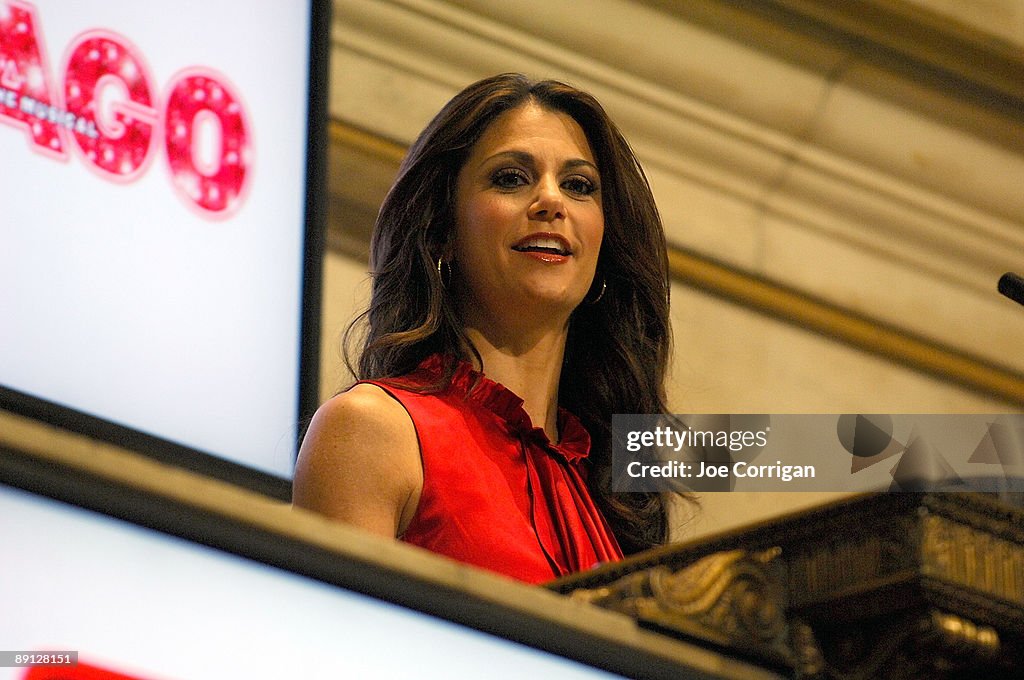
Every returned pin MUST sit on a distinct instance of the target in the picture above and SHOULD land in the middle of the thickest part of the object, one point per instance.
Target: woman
(520, 298)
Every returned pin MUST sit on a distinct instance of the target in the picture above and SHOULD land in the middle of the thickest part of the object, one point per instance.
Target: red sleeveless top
(496, 492)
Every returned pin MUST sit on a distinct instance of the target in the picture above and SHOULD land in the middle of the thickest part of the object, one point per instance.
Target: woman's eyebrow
(526, 158)
(521, 157)
(579, 163)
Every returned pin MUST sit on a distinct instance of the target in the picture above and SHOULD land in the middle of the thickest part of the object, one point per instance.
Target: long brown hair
(617, 350)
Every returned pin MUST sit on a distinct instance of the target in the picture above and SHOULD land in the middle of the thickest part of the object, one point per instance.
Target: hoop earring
(440, 274)
(604, 287)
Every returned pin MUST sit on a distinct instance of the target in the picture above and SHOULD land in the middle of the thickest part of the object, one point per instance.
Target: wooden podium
(895, 585)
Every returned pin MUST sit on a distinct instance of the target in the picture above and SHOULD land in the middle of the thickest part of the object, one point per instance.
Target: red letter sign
(208, 146)
(111, 110)
(24, 80)
(106, 81)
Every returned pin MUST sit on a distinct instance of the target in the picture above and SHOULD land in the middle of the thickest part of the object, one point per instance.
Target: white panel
(138, 602)
(122, 299)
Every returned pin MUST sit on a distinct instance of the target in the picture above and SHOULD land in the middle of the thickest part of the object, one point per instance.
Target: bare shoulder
(360, 461)
(362, 407)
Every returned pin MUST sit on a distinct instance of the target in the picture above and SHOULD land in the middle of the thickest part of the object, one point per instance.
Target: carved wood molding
(734, 599)
(920, 644)
(894, 586)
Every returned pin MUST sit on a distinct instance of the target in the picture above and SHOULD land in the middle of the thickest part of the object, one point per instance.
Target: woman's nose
(547, 205)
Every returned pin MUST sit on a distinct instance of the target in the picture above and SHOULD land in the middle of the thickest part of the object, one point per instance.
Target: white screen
(158, 286)
(135, 601)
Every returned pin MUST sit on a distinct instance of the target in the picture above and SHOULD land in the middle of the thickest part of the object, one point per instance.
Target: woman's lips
(545, 247)
(545, 256)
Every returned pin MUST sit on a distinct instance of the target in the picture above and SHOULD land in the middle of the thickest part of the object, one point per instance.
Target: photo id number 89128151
(18, 658)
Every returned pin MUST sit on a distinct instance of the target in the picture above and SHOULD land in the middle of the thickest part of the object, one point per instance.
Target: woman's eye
(579, 185)
(509, 178)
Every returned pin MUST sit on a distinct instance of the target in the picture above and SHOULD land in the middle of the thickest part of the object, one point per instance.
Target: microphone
(1012, 286)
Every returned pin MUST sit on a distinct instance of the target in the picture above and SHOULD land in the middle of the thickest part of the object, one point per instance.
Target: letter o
(212, 180)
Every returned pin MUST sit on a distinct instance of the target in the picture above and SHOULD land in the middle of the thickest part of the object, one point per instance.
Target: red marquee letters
(108, 109)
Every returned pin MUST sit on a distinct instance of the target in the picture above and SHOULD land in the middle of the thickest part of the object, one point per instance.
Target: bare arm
(360, 462)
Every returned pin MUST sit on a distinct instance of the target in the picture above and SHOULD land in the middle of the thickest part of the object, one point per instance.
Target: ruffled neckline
(476, 388)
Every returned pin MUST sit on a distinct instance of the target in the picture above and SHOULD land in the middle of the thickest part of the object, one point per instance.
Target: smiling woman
(520, 298)
(528, 227)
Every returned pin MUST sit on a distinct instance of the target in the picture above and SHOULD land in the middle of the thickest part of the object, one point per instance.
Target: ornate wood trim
(899, 585)
(734, 599)
(968, 558)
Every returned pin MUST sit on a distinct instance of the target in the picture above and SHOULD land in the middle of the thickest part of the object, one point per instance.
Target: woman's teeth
(542, 245)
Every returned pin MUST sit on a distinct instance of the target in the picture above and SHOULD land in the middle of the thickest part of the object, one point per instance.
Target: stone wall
(865, 157)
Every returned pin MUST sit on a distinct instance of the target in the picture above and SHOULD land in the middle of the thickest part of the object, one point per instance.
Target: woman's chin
(538, 302)
(548, 303)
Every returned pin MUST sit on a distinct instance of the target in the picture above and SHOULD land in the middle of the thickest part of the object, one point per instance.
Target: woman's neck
(530, 366)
